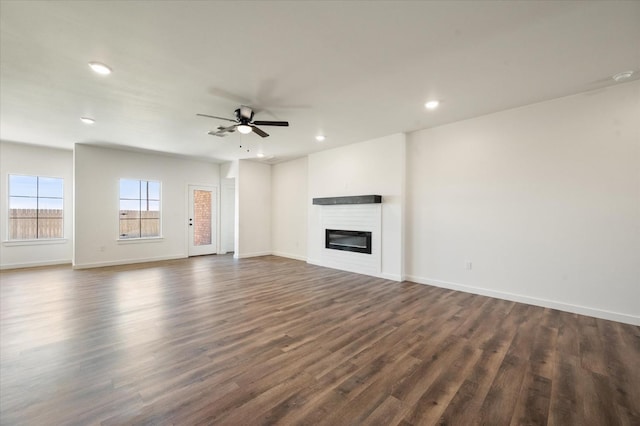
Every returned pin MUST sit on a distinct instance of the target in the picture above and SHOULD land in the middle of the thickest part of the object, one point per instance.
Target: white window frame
(134, 240)
(28, 241)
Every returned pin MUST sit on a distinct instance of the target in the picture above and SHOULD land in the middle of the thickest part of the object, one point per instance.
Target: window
(35, 207)
(139, 209)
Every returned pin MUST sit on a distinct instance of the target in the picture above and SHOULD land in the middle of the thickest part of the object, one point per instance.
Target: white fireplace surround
(372, 167)
(351, 217)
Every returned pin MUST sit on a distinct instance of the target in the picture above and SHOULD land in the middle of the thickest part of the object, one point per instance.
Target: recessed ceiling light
(87, 120)
(432, 104)
(244, 129)
(320, 138)
(622, 75)
(259, 155)
(100, 68)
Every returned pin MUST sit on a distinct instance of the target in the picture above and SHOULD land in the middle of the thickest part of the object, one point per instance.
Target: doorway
(202, 220)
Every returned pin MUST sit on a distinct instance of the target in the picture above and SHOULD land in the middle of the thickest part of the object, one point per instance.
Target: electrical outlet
(468, 265)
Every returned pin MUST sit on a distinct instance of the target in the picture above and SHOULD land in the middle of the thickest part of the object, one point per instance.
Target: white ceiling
(351, 70)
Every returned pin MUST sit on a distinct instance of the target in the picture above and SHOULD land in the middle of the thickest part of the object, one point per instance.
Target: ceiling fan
(243, 123)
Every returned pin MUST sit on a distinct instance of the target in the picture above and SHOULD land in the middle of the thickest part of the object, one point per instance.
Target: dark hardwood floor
(213, 340)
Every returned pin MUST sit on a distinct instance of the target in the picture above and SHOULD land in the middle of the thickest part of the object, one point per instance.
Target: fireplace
(356, 241)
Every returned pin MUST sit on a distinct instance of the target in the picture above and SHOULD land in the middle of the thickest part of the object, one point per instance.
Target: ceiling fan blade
(222, 131)
(259, 132)
(231, 128)
(271, 123)
(213, 116)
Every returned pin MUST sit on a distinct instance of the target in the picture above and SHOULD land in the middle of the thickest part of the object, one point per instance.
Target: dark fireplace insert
(339, 239)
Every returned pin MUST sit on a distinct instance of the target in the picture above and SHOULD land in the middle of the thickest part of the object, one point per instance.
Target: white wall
(371, 167)
(97, 174)
(253, 209)
(227, 215)
(36, 161)
(544, 201)
(289, 209)
(227, 207)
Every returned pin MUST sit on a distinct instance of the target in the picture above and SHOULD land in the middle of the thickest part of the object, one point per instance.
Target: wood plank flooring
(213, 340)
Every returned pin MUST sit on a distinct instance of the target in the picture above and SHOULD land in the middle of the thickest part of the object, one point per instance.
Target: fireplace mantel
(353, 199)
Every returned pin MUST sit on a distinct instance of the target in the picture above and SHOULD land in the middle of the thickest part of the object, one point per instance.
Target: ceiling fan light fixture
(100, 68)
(244, 129)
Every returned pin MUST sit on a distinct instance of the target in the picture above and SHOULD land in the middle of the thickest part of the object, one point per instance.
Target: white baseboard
(392, 277)
(127, 261)
(255, 254)
(545, 303)
(289, 255)
(35, 264)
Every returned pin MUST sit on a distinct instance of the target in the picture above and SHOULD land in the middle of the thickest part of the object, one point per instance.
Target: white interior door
(202, 220)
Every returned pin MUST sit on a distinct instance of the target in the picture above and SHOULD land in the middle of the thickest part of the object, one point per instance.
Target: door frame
(215, 222)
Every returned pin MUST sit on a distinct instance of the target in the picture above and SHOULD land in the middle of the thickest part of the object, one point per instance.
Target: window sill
(140, 240)
(12, 243)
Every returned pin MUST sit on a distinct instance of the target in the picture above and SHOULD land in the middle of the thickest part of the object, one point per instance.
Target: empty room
(319, 212)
